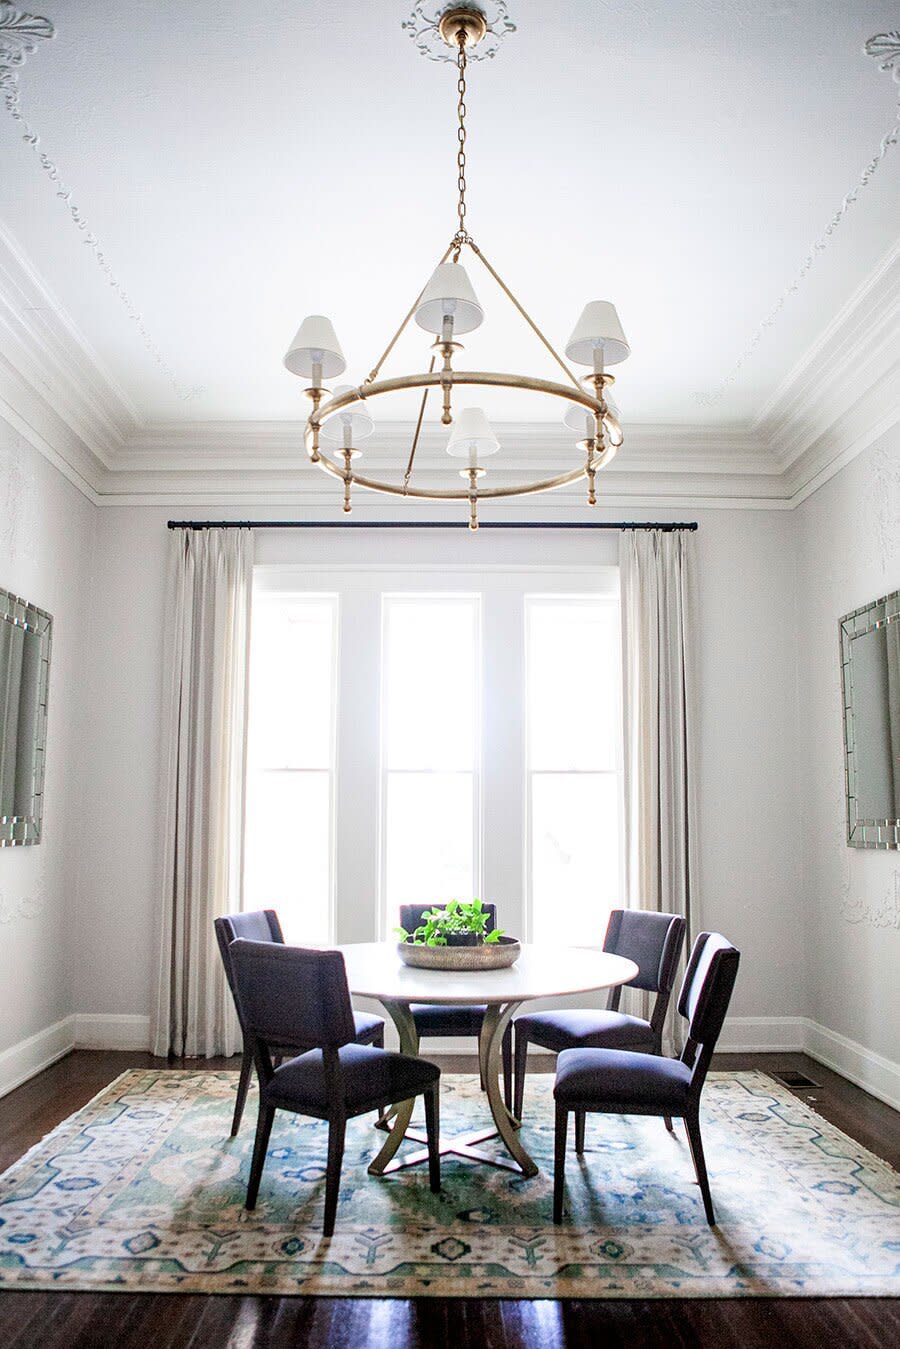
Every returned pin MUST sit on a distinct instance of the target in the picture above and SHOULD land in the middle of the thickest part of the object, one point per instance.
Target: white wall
(849, 554)
(817, 922)
(45, 541)
(749, 881)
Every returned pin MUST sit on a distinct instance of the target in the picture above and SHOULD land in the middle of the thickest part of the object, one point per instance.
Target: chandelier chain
(461, 234)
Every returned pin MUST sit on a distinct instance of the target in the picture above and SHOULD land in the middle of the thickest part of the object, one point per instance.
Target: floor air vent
(793, 1078)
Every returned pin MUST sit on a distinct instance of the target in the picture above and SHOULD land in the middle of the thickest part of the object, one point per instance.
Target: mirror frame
(862, 833)
(17, 831)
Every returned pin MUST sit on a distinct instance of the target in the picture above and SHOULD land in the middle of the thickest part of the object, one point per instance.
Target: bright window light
(291, 763)
(430, 742)
(573, 733)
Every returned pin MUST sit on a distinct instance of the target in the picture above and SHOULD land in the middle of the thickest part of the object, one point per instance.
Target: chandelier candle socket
(447, 307)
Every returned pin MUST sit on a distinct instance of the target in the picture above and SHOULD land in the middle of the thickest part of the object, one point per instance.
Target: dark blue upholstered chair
(432, 1019)
(654, 942)
(291, 996)
(615, 1081)
(263, 925)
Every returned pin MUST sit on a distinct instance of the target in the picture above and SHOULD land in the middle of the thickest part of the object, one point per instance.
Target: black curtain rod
(426, 524)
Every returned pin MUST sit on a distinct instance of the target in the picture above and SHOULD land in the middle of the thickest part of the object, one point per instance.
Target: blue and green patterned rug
(143, 1191)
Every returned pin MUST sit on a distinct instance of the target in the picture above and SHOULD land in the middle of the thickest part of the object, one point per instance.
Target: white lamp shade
(315, 344)
(355, 417)
(598, 329)
(449, 293)
(581, 419)
(472, 437)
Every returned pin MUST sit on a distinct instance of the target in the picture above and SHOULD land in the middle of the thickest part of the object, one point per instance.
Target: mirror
(24, 681)
(870, 679)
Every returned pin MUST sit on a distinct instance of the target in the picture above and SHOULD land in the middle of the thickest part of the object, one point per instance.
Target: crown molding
(53, 388)
(844, 392)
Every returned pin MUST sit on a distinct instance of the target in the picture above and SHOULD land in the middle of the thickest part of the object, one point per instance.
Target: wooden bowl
(496, 955)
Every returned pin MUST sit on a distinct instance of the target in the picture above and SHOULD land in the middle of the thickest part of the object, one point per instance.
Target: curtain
(205, 706)
(656, 577)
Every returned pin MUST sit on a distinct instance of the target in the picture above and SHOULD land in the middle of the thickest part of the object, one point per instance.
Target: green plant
(456, 920)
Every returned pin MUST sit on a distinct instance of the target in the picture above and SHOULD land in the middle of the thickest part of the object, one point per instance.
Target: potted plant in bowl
(456, 937)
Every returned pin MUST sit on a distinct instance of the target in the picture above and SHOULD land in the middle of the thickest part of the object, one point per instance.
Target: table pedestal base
(496, 1019)
(460, 1145)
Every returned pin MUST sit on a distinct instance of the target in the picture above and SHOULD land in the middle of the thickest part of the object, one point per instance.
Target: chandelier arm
(525, 315)
(374, 372)
(418, 431)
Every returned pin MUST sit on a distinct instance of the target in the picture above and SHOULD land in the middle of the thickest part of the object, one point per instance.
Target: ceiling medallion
(447, 307)
(488, 24)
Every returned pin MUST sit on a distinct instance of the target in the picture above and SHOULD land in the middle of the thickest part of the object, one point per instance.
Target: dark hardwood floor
(156, 1321)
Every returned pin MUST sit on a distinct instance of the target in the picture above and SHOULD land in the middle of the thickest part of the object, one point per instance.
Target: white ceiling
(243, 165)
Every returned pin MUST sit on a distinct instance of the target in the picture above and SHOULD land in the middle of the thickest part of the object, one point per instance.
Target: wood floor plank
(59, 1320)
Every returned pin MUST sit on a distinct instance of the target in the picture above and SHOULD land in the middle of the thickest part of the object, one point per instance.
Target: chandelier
(448, 308)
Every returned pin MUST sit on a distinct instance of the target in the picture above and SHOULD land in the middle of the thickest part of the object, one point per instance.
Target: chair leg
(521, 1057)
(692, 1124)
(669, 1125)
(263, 1130)
(432, 1129)
(378, 1042)
(507, 1051)
(336, 1129)
(559, 1161)
(243, 1084)
(580, 1117)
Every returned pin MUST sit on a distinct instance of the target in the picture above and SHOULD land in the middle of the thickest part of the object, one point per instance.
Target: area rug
(143, 1190)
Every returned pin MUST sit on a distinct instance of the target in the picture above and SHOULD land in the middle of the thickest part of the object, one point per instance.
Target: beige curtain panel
(205, 710)
(656, 574)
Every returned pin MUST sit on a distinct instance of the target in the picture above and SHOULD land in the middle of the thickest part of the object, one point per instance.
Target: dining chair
(618, 1082)
(463, 1020)
(654, 942)
(292, 996)
(263, 925)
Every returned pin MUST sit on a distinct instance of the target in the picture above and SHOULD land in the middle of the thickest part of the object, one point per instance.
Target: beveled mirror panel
(870, 679)
(25, 633)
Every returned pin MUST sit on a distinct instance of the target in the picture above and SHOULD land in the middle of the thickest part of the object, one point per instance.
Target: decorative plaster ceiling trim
(886, 48)
(49, 352)
(862, 335)
(20, 34)
(258, 446)
(209, 499)
(51, 437)
(873, 417)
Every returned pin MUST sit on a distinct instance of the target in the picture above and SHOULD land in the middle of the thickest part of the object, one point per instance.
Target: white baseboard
(112, 1030)
(743, 1034)
(763, 1035)
(29, 1057)
(873, 1072)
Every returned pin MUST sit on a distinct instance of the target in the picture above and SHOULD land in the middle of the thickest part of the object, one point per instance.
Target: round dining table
(375, 970)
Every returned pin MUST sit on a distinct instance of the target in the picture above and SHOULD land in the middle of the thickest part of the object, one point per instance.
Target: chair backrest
(292, 996)
(652, 940)
(411, 915)
(256, 925)
(705, 995)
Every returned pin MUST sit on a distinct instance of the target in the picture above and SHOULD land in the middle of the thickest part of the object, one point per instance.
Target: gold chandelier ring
(435, 380)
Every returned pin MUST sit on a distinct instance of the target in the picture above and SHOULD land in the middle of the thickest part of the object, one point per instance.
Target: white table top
(375, 970)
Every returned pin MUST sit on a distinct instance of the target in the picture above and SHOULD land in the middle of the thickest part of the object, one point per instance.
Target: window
(573, 720)
(419, 733)
(291, 763)
(430, 749)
